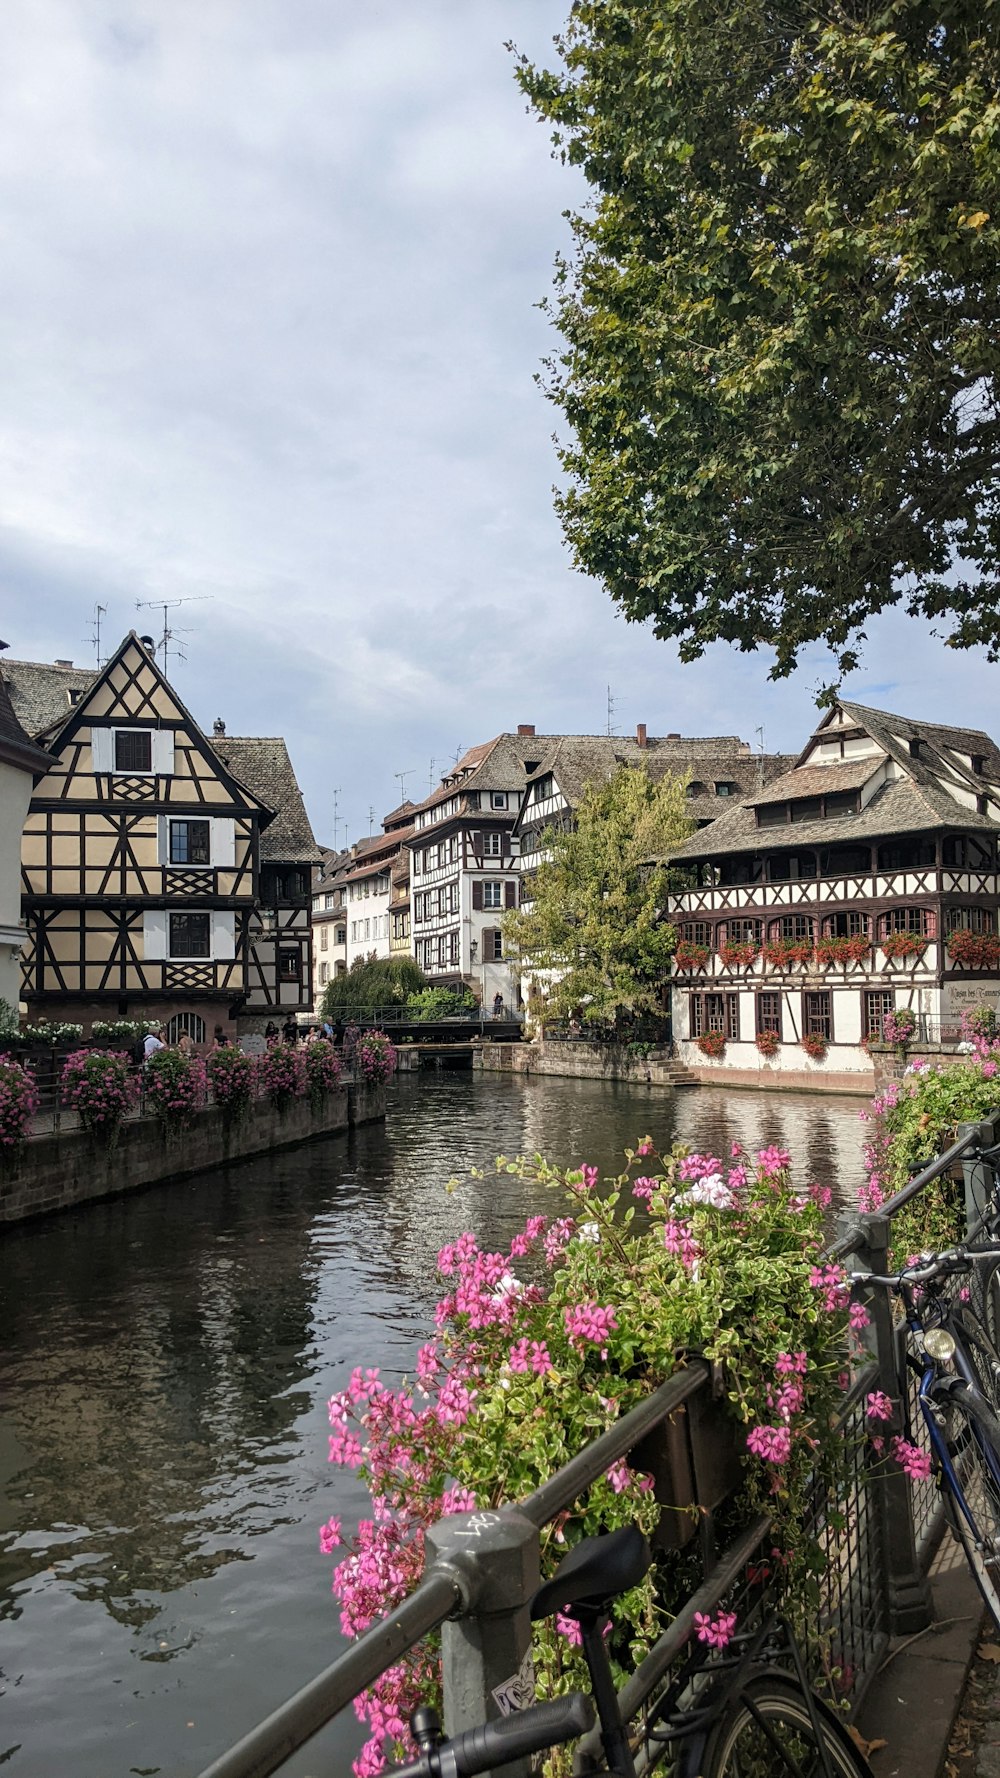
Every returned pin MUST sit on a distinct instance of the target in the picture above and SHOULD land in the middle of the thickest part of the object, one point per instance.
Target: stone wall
(56, 1171)
(580, 1060)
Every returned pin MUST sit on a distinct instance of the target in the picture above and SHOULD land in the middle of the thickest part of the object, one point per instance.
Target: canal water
(165, 1362)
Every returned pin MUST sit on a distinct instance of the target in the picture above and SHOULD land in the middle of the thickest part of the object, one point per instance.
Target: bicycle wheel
(766, 1732)
(980, 1349)
(973, 1435)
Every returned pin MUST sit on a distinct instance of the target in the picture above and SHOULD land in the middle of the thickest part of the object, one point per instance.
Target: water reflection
(166, 1361)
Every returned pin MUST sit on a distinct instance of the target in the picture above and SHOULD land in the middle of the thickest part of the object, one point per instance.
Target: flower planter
(695, 1458)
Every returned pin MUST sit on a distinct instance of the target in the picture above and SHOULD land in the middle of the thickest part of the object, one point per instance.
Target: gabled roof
(39, 692)
(578, 760)
(261, 763)
(839, 774)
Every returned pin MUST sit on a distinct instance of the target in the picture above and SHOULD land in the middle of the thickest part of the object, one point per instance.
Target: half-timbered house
(862, 881)
(22, 764)
(141, 857)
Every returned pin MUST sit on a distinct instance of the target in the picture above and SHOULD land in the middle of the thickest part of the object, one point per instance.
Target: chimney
(525, 728)
(218, 726)
(64, 663)
(673, 737)
(148, 644)
(640, 734)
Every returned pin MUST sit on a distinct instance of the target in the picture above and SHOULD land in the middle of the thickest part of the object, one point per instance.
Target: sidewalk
(917, 1695)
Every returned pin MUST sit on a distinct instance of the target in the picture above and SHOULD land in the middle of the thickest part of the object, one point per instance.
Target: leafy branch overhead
(780, 344)
(594, 926)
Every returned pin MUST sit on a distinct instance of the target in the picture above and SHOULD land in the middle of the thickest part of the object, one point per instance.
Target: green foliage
(9, 1022)
(440, 1003)
(780, 354)
(914, 1120)
(383, 981)
(120, 1030)
(596, 918)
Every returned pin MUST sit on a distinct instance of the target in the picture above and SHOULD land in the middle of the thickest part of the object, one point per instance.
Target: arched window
(696, 788)
(191, 1022)
(969, 920)
(697, 932)
(741, 932)
(921, 921)
(848, 924)
(798, 927)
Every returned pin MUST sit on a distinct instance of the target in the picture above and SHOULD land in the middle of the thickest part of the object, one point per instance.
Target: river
(166, 1361)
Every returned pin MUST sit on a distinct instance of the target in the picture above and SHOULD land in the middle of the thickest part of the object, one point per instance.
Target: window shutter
(224, 842)
(488, 942)
(102, 747)
(224, 935)
(477, 897)
(163, 839)
(477, 844)
(163, 752)
(510, 894)
(154, 933)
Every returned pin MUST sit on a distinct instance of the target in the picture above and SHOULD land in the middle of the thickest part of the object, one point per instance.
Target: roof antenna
(95, 635)
(371, 818)
(430, 777)
(611, 713)
(759, 732)
(402, 786)
(337, 817)
(170, 635)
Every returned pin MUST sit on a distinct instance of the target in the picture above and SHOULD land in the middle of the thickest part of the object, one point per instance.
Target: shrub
(768, 1042)
(380, 981)
(689, 956)
(712, 1043)
(322, 1070)
(979, 1024)
(374, 1057)
(440, 1003)
(523, 1373)
(739, 956)
(781, 952)
(898, 1027)
(119, 1030)
(815, 1045)
(174, 1086)
(841, 949)
(18, 1104)
(50, 1032)
(910, 1122)
(232, 1076)
(101, 1089)
(9, 1022)
(281, 1071)
(898, 946)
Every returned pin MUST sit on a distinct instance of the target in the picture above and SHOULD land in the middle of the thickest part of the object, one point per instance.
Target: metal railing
(879, 1534)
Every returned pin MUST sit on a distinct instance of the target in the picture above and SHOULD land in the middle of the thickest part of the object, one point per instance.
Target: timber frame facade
(141, 863)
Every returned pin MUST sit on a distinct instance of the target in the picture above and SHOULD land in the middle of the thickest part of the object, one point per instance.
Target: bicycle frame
(935, 1383)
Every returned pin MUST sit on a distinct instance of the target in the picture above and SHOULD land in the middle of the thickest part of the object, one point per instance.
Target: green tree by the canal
(596, 915)
(780, 345)
(371, 982)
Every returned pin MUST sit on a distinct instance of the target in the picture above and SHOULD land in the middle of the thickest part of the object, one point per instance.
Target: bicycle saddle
(594, 1572)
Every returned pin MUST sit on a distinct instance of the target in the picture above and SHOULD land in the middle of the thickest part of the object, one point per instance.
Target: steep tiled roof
(578, 760)
(261, 763)
(839, 774)
(39, 692)
(16, 746)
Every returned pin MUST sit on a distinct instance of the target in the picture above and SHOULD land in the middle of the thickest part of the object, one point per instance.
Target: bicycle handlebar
(934, 1265)
(508, 1738)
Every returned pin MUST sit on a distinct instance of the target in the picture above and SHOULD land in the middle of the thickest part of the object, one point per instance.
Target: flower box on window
(780, 953)
(977, 950)
(740, 955)
(692, 957)
(843, 950)
(768, 1042)
(815, 1045)
(712, 1044)
(902, 946)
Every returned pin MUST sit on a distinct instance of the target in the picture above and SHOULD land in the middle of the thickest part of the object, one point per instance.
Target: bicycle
(958, 1396)
(724, 1714)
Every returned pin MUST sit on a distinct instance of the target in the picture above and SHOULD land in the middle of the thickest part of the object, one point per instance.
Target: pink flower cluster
(101, 1088)
(375, 1057)
(18, 1103)
(678, 1240)
(174, 1086)
(831, 1282)
(878, 1405)
(772, 1443)
(914, 1462)
(590, 1324)
(530, 1355)
(716, 1631)
(281, 1071)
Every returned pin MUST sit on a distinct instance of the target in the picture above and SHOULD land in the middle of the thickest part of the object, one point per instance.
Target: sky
(269, 335)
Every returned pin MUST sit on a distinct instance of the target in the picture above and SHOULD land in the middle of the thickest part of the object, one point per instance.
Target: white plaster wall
(15, 794)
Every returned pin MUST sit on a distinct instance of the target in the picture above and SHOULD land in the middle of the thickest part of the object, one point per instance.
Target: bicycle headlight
(939, 1344)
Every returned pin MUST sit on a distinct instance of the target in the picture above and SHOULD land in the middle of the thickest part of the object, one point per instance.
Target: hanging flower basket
(902, 947)
(690, 956)
(739, 956)
(712, 1044)
(768, 1042)
(815, 1045)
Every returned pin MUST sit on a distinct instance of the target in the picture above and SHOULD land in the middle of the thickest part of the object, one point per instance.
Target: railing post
(977, 1174)
(488, 1647)
(907, 1589)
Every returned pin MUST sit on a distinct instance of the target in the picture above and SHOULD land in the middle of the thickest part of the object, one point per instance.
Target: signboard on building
(960, 997)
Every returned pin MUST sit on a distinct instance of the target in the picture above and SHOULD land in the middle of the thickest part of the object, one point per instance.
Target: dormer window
(915, 746)
(726, 787)
(73, 696)
(977, 763)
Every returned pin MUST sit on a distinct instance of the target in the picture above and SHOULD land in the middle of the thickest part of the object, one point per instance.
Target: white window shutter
(163, 752)
(163, 839)
(102, 747)
(154, 933)
(224, 842)
(223, 936)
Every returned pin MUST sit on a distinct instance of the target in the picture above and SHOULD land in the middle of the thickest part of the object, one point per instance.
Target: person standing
(155, 1040)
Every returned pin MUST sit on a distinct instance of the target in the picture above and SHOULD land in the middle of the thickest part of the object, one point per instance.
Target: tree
(596, 918)
(371, 982)
(780, 342)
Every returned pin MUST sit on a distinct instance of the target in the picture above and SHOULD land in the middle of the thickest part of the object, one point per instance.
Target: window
(498, 799)
(697, 932)
(849, 924)
(798, 927)
(190, 935)
(738, 870)
(492, 845)
(726, 787)
(190, 842)
(493, 894)
(341, 935)
(742, 932)
(817, 1014)
(842, 802)
(789, 866)
(877, 1003)
(328, 901)
(493, 945)
(189, 1022)
(453, 949)
(715, 1012)
(324, 974)
(969, 920)
(354, 932)
(807, 808)
(918, 920)
(845, 861)
(769, 1013)
(912, 854)
(967, 852)
(289, 965)
(133, 750)
(324, 938)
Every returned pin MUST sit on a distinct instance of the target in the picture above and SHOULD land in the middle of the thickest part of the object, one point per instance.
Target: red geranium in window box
(841, 949)
(977, 950)
(712, 1044)
(739, 955)
(815, 1045)
(900, 945)
(780, 952)
(691, 956)
(768, 1042)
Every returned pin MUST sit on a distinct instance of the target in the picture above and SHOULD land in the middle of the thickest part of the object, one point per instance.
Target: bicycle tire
(970, 1428)
(981, 1351)
(765, 1731)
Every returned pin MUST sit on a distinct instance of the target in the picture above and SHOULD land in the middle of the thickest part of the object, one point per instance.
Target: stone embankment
(580, 1060)
(68, 1167)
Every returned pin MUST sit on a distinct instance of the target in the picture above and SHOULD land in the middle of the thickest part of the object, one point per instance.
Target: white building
(329, 921)
(862, 881)
(22, 764)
